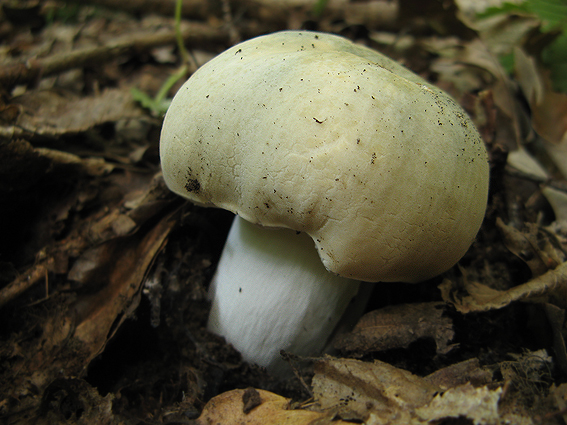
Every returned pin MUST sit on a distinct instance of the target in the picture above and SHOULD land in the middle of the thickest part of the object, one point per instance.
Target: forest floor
(104, 272)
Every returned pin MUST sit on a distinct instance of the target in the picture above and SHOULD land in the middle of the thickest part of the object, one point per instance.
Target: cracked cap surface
(309, 131)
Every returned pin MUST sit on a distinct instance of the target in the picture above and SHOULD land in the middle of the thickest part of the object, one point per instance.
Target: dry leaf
(397, 327)
(521, 160)
(379, 394)
(529, 76)
(356, 389)
(79, 329)
(234, 408)
(480, 405)
(550, 115)
(537, 247)
(69, 400)
(556, 319)
(469, 296)
(119, 267)
(558, 200)
(559, 396)
(53, 114)
(502, 32)
(459, 374)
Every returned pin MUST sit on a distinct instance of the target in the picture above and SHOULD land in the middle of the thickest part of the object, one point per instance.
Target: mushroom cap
(312, 132)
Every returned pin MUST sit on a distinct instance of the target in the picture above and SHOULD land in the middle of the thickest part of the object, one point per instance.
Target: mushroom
(320, 146)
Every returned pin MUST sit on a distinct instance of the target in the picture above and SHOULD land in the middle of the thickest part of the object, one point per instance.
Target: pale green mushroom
(308, 131)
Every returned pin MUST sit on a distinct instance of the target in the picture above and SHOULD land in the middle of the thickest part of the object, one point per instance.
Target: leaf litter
(104, 272)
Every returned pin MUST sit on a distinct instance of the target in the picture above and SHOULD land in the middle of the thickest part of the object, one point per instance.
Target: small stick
(32, 70)
(24, 282)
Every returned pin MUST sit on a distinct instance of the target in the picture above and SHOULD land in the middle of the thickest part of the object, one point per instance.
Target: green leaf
(319, 7)
(553, 17)
(159, 104)
(554, 57)
(553, 13)
(504, 8)
(508, 61)
(169, 83)
(142, 98)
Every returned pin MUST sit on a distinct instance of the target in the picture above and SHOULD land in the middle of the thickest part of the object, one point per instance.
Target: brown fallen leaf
(111, 222)
(23, 71)
(459, 374)
(536, 246)
(397, 327)
(479, 405)
(52, 113)
(550, 121)
(558, 200)
(556, 319)
(233, 408)
(357, 389)
(40, 189)
(379, 394)
(529, 76)
(468, 296)
(70, 398)
(119, 268)
(78, 328)
(548, 107)
(559, 397)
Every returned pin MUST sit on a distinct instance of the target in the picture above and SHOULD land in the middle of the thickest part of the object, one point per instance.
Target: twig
(274, 13)
(24, 282)
(26, 72)
(192, 9)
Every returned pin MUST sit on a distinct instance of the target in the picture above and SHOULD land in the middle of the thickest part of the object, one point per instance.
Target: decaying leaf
(65, 400)
(537, 247)
(53, 114)
(355, 389)
(558, 200)
(529, 76)
(378, 393)
(78, 330)
(550, 114)
(559, 396)
(397, 327)
(556, 319)
(233, 408)
(480, 405)
(118, 268)
(520, 159)
(468, 296)
(468, 371)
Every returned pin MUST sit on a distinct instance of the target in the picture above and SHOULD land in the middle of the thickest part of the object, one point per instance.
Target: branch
(24, 282)
(30, 71)
(372, 13)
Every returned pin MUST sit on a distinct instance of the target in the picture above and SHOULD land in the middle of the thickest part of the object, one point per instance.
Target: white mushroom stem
(271, 293)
